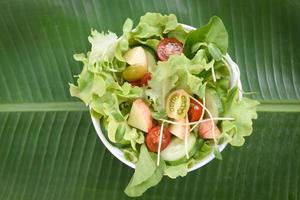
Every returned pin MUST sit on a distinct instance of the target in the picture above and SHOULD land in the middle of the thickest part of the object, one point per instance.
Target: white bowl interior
(235, 80)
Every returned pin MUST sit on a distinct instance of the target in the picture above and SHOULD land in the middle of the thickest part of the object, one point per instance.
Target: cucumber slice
(213, 103)
(174, 154)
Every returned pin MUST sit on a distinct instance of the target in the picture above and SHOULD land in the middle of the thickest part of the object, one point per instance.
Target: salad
(164, 96)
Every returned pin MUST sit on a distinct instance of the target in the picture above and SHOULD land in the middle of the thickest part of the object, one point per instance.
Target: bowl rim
(235, 80)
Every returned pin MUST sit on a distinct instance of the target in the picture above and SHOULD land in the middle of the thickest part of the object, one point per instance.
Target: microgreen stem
(159, 144)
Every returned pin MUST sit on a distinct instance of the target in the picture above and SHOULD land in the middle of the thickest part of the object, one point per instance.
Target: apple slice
(205, 130)
(136, 56)
(140, 116)
(138, 64)
(179, 130)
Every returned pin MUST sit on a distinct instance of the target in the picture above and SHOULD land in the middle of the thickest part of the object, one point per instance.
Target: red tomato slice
(144, 81)
(152, 139)
(135, 83)
(195, 110)
(167, 47)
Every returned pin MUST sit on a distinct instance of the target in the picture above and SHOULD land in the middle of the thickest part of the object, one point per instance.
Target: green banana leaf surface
(49, 148)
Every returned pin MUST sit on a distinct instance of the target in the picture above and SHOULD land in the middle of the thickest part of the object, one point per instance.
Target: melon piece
(140, 116)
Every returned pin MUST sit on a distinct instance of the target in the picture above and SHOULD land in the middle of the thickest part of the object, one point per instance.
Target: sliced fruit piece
(205, 130)
(179, 130)
(213, 103)
(178, 103)
(140, 116)
(137, 59)
(136, 56)
(168, 47)
(152, 139)
(134, 72)
(175, 152)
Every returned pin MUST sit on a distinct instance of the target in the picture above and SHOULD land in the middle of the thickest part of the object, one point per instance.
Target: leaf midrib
(265, 106)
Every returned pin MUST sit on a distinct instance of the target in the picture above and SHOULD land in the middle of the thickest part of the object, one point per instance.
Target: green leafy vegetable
(204, 150)
(123, 43)
(88, 82)
(134, 136)
(214, 32)
(179, 33)
(146, 174)
(130, 155)
(177, 170)
(155, 24)
(103, 47)
(214, 51)
(177, 72)
(243, 111)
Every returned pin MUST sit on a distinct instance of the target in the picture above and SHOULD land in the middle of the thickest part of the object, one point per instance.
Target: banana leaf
(48, 147)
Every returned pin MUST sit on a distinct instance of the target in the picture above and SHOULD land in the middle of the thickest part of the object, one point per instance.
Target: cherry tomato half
(195, 110)
(178, 103)
(167, 47)
(144, 81)
(152, 139)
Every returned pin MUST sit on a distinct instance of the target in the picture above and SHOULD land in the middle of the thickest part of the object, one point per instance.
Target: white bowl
(235, 80)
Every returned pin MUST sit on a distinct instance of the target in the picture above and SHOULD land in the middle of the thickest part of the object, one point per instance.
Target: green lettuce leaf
(134, 136)
(130, 155)
(88, 84)
(155, 24)
(177, 72)
(243, 111)
(152, 43)
(146, 174)
(214, 32)
(179, 33)
(123, 41)
(204, 150)
(107, 105)
(176, 171)
(103, 46)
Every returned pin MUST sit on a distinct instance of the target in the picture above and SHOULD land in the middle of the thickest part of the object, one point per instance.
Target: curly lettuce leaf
(130, 155)
(176, 171)
(107, 105)
(243, 111)
(179, 33)
(164, 77)
(155, 24)
(177, 72)
(121, 133)
(134, 136)
(103, 46)
(123, 42)
(152, 43)
(146, 174)
(99, 88)
(213, 33)
(88, 84)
